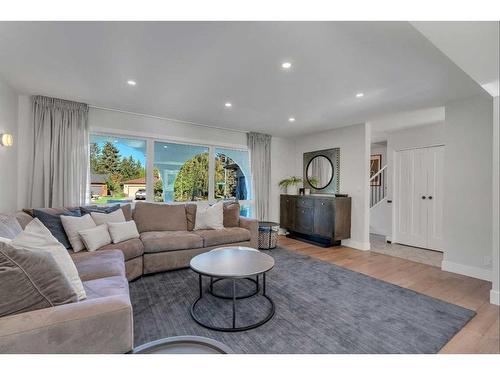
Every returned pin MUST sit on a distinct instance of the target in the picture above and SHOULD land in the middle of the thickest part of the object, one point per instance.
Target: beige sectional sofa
(103, 323)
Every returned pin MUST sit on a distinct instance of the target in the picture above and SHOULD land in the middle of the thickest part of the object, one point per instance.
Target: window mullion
(149, 170)
(211, 174)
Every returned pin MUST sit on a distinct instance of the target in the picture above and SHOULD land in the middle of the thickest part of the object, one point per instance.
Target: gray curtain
(260, 153)
(60, 153)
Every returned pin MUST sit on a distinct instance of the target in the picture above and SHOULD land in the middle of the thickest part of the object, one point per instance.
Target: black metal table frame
(233, 297)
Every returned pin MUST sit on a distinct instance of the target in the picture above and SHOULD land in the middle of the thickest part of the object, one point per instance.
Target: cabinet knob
(430, 196)
(423, 196)
(323, 203)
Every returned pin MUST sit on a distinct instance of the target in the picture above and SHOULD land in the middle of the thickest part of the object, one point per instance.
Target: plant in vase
(290, 184)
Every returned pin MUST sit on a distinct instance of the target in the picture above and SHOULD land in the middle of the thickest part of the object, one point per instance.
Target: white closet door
(411, 186)
(435, 162)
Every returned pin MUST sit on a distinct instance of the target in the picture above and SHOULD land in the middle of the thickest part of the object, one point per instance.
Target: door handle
(423, 196)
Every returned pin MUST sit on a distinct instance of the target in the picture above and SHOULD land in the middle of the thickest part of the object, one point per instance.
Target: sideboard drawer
(305, 202)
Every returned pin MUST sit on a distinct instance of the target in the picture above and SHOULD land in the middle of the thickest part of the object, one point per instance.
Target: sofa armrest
(100, 325)
(253, 226)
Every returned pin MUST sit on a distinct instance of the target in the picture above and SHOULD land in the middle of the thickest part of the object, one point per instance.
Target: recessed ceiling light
(291, 119)
(286, 65)
(228, 104)
(131, 82)
(359, 95)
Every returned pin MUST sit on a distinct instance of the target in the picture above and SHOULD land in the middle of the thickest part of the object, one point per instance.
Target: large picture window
(117, 169)
(179, 172)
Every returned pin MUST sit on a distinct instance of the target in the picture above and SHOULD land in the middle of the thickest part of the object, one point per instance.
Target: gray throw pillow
(9, 226)
(54, 224)
(31, 280)
(101, 209)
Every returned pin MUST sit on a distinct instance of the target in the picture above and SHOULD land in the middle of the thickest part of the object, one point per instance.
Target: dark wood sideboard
(322, 219)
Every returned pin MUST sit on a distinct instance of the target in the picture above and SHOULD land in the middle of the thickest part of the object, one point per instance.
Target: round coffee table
(183, 345)
(234, 264)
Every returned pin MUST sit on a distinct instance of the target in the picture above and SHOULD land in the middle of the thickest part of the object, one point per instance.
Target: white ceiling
(188, 70)
(473, 45)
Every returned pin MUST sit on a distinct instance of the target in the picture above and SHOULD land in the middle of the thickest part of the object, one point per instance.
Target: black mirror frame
(331, 177)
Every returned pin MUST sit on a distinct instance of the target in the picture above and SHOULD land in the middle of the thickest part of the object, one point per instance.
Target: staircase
(377, 186)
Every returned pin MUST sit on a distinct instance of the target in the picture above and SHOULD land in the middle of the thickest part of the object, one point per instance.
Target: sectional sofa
(103, 323)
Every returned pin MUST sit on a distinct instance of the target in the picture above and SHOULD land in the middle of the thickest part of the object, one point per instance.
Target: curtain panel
(60, 171)
(260, 153)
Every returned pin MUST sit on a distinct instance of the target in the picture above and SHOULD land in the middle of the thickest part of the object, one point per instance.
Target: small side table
(268, 234)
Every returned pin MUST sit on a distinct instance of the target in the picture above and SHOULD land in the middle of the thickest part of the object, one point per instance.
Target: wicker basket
(268, 235)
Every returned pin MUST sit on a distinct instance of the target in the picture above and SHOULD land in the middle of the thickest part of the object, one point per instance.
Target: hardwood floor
(480, 335)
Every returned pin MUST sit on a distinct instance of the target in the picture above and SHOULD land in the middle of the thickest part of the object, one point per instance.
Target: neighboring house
(98, 185)
(130, 187)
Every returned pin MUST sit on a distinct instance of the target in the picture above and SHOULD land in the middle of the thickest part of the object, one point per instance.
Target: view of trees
(117, 169)
(191, 182)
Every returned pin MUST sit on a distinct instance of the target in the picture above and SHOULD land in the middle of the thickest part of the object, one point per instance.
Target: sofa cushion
(23, 218)
(106, 287)
(52, 221)
(99, 264)
(231, 214)
(151, 217)
(31, 280)
(223, 236)
(131, 248)
(37, 238)
(190, 215)
(9, 226)
(155, 242)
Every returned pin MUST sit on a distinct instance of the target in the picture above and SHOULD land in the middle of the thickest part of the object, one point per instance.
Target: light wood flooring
(480, 335)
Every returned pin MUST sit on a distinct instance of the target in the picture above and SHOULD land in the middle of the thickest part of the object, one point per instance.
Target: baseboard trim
(494, 297)
(356, 244)
(462, 269)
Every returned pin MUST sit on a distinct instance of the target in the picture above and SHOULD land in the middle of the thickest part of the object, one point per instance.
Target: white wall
(282, 165)
(420, 136)
(8, 155)
(25, 154)
(495, 292)
(155, 127)
(468, 187)
(354, 144)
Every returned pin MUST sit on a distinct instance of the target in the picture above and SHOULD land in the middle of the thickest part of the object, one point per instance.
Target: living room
(249, 187)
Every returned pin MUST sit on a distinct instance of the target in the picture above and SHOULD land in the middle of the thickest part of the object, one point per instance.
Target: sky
(126, 147)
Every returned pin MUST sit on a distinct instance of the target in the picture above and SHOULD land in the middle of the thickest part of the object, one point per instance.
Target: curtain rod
(166, 118)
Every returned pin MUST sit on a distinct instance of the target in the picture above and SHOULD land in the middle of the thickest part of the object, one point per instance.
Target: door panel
(411, 186)
(435, 184)
(287, 212)
(324, 217)
(304, 220)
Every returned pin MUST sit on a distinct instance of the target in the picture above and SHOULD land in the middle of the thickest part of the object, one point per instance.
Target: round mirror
(319, 172)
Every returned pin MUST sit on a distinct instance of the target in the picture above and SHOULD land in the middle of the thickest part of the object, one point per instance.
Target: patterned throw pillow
(53, 223)
(101, 209)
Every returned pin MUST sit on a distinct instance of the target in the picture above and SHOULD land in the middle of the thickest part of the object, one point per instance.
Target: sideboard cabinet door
(324, 216)
(287, 212)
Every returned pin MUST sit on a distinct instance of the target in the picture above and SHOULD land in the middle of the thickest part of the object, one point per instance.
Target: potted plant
(290, 184)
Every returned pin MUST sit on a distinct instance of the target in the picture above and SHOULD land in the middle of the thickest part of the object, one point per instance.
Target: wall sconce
(6, 140)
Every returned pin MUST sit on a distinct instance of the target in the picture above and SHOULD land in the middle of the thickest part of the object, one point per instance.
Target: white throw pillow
(113, 217)
(36, 237)
(211, 217)
(73, 224)
(123, 231)
(95, 238)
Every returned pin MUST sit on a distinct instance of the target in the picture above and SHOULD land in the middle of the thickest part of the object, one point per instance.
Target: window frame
(150, 141)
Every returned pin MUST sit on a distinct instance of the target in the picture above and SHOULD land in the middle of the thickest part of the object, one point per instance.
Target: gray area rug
(320, 308)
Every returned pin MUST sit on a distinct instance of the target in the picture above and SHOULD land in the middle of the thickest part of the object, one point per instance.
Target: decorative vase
(291, 189)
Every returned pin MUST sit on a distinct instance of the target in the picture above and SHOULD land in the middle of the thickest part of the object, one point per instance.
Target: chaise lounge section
(103, 323)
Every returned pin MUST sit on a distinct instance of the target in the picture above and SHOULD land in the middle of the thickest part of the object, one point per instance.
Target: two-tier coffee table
(234, 264)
